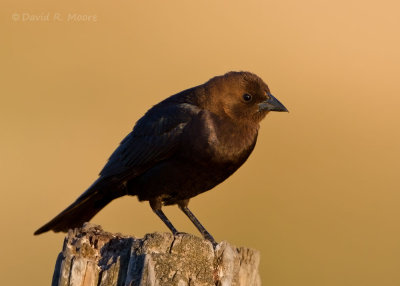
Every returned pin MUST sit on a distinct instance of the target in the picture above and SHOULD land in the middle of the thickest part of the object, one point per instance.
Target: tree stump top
(91, 256)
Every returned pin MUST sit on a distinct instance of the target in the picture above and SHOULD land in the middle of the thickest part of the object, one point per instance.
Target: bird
(183, 146)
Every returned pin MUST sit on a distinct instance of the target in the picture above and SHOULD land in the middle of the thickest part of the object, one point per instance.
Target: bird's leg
(156, 207)
(183, 205)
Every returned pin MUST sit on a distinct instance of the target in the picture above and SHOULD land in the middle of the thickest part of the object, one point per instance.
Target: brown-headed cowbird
(183, 146)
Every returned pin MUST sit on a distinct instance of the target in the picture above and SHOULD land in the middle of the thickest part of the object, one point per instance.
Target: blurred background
(319, 197)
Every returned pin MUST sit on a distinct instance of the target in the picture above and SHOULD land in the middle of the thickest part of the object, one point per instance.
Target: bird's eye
(247, 97)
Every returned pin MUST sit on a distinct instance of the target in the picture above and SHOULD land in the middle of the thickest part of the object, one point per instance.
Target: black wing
(155, 137)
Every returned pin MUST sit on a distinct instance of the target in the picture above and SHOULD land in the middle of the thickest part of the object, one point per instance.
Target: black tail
(82, 210)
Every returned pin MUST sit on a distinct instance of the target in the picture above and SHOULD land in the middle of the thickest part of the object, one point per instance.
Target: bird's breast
(220, 141)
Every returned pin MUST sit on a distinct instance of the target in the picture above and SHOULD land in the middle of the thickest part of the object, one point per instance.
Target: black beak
(272, 104)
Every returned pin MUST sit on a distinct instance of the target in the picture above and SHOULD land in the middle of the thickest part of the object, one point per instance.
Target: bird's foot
(206, 236)
(177, 233)
(211, 239)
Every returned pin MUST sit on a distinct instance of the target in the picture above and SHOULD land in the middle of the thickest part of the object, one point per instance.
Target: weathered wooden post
(91, 256)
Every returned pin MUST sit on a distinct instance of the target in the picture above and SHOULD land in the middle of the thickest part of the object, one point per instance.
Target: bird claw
(178, 233)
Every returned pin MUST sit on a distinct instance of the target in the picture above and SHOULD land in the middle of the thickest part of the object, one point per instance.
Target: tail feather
(81, 211)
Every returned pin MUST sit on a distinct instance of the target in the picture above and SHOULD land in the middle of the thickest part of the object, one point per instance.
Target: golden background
(319, 197)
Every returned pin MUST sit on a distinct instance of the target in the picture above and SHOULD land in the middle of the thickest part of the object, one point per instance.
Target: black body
(183, 146)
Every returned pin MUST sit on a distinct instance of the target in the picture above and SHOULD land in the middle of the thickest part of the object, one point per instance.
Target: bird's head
(241, 96)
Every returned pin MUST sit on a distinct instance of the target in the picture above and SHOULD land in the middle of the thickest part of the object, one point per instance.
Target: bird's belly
(176, 180)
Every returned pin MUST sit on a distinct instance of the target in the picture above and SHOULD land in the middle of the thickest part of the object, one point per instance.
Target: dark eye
(247, 97)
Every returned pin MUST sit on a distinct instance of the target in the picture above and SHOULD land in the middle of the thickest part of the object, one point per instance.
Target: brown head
(242, 96)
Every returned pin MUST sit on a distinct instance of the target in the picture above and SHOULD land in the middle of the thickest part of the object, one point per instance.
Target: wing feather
(155, 137)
